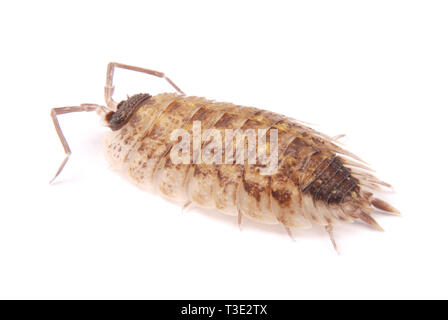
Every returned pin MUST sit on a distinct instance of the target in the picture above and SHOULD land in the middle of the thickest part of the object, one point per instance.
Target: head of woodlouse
(125, 109)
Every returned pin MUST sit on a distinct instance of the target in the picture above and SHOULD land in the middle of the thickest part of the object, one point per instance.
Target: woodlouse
(316, 182)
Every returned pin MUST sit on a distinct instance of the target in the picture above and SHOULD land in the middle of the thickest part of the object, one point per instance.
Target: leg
(186, 206)
(339, 136)
(289, 232)
(329, 229)
(109, 88)
(240, 219)
(58, 111)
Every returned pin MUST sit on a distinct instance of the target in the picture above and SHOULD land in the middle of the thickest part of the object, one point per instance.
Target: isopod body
(315, 180)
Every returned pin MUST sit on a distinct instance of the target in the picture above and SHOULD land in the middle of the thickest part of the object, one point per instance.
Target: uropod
(242, 161)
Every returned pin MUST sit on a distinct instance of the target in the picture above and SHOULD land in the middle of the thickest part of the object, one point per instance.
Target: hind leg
(329, 228)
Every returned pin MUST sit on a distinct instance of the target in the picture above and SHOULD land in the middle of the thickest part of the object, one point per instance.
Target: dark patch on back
(333, 186)
(327, 175)
(295, 148)
(282, 196)
(253, 189)
(199, 172)
(350, 184)
(125, 110)
(333, 183)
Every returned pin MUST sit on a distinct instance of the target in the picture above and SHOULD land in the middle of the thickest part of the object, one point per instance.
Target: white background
(374, 70)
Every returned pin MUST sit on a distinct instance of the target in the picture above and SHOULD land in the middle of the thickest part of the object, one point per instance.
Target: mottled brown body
(316, 182)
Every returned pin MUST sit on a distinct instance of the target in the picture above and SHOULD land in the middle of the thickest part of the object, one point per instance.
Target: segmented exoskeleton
(317, 181)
